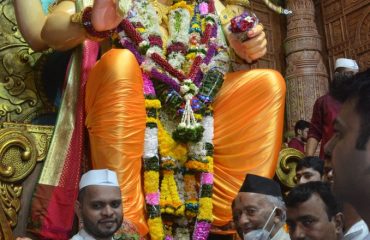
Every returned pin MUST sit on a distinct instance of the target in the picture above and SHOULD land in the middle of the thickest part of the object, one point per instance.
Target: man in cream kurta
(99, 205)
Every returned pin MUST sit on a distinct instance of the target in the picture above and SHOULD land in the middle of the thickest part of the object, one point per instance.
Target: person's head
(309, 169)
(301, 129)
(328, 176)
(313, 213)
(346, 65)
(349, 147)
(99, 203)
(258, 206)
(345, 68)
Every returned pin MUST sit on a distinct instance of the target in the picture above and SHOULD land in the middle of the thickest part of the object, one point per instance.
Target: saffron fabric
(115, 119)
(248, 112)
(325, 110)
(249, 116)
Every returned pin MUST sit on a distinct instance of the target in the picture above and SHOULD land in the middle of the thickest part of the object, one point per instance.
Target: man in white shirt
(357, 231)
(99, 205)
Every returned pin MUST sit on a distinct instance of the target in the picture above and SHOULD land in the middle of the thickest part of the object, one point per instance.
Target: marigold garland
(206, 205)
(195, 165)
(183, 5)
(151, 183)
(156, 228)
(152, 103)
(194, 55)
(168, 147)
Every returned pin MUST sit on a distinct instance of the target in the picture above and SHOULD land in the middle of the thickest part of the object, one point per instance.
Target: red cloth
(52, 212)
(324, 112)
(297, 144)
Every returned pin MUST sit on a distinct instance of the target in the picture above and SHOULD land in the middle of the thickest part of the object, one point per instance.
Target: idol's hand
(105, 15)
(253, 48)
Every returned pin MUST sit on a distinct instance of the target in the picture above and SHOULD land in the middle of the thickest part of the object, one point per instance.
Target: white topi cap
(100, 177)
(346, 63)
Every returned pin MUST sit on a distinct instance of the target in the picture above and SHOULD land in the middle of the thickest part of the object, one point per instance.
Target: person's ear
(299, 132)
(339, 222)
(279, 216)
(78, 209)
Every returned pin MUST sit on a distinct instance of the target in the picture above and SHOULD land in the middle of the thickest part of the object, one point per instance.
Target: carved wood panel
(347, 30)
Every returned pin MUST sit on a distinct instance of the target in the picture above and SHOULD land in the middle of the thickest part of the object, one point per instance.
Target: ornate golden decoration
(229, 12)
(17, 160)
(243, 3)
(41, 134)
(21, 146)
(287, 162)
(5, 230)
(277, 8)
(18, 155)
(20, 97)
(21, 100)
(10, 201)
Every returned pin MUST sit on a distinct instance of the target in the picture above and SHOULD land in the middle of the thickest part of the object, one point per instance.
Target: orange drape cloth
(115, 119)
(249, 117)
(248, 112)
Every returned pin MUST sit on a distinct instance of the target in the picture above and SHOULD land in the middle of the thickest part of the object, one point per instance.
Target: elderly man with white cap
(326, 108)
(99, 205)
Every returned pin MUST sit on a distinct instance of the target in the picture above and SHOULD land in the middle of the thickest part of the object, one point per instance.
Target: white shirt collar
(83, 235)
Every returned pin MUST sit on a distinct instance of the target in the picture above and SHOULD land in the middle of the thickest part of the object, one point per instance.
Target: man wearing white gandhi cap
(326, 108)
(99, 205)
(350, 64)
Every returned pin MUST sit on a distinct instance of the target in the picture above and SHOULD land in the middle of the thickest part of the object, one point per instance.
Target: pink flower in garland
(207, 178)
(203, 8)
(148, 85)
(152, 198)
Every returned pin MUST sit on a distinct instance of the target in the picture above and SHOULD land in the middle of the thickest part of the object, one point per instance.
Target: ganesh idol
(153, 83)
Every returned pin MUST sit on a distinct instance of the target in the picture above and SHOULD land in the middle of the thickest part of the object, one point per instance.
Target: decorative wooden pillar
(306, 74)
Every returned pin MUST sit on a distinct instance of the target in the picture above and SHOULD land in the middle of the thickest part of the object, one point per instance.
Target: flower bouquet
(240, 25)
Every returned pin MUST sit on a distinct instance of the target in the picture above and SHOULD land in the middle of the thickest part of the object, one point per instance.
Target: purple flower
(201, 230)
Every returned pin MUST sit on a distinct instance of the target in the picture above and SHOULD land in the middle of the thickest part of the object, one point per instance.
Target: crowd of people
(320, 206)
(310, 134)
(315, 209)
(328, 127)
(323, 205)
(329, 201)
